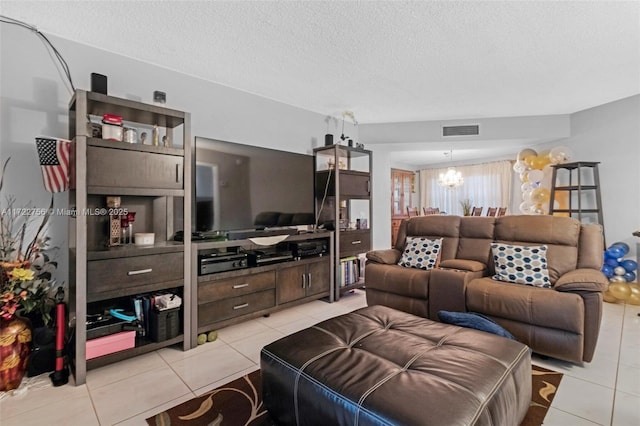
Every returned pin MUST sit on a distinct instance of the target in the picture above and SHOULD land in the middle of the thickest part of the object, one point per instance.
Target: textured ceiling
(385, 61)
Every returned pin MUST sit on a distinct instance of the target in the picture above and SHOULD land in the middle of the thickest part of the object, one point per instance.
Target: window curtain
(485, 185)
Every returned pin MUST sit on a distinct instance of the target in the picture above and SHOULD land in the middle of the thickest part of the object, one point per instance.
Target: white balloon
(535, 175)
(519, 167)
(525, 207)
(525, 153)
(526, 196)
(560, 154)
(525, 186)
(619, 270)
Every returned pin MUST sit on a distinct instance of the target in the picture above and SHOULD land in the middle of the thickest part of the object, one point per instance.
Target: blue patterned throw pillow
(420, 253)
(474, 320)
(521, 264)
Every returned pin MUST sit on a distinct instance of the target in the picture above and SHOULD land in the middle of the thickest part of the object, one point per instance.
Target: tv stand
(274, 283)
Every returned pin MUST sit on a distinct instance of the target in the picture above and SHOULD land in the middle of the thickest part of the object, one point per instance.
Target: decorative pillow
(420, 253)
(521, 264)
(475, 321)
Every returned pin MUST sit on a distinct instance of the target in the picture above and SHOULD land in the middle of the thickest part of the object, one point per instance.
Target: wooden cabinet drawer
(133, 169)
(232, 287)
(127, 273)
(353, 184)
(209, 313)
(353, 242)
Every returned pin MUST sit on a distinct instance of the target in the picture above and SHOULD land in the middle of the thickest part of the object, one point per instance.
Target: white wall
(383, 138)
(607, 133)
(34, 97)
(610, 134)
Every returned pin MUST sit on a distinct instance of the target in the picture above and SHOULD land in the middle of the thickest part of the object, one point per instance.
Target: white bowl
(144, 239)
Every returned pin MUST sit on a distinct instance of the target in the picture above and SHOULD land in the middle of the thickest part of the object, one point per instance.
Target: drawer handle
(241, 285)
(178, 173)
(356, 242)
(304, 280)
(140, 271)
(244, 305)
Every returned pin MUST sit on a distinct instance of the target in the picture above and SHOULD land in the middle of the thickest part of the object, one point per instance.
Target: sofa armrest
(386, 257)
(584, 279)
(447, 290)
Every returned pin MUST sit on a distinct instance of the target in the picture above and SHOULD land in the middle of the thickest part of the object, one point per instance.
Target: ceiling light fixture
(452, 179)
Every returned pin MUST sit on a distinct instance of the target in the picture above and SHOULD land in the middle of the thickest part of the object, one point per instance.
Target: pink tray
(110, 344)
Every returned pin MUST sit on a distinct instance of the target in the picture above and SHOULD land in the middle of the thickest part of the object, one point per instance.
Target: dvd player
(309, 248)
(261, 258)
(211, 262)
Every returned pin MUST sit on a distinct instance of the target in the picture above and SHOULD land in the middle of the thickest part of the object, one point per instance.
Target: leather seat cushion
(385, 367)
(543, 307)
(409, 282)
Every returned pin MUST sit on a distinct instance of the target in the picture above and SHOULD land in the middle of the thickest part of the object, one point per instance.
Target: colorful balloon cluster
(535, 174)
(620, 272)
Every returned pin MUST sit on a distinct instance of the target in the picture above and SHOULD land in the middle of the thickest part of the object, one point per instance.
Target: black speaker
(98, 83)
(328, 139)
(43, 352)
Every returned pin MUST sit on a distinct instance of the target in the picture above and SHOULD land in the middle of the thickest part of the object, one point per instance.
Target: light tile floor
(603, 392)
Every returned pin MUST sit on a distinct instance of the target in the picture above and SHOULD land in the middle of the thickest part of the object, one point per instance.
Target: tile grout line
(615, 383)
(154, 407)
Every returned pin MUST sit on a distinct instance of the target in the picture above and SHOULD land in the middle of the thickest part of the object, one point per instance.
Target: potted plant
(466, 207)
(25, 284)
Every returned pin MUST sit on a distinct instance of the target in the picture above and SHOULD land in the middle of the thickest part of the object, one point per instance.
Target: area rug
(240, 403)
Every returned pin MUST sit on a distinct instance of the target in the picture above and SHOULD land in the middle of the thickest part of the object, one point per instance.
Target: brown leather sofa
(562, 321)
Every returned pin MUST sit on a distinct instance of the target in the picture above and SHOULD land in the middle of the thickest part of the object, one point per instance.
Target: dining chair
(412, 211)
(491, 211)
(476, 211)
(501, 211)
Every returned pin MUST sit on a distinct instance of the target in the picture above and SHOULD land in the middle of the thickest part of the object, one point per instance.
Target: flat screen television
(242, 188)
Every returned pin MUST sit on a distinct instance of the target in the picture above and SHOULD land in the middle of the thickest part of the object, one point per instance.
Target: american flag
(54, 161)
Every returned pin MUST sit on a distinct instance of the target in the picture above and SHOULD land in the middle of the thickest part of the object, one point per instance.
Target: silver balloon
(617, 279)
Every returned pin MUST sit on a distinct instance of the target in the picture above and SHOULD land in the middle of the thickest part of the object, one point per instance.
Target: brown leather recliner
(562, 321)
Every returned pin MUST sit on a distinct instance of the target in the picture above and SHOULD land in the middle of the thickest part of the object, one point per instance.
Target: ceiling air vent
(470, 130)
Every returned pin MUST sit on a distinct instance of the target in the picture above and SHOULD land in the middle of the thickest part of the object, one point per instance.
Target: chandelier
(452, 178)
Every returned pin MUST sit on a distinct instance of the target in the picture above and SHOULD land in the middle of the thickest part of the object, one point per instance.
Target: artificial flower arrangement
(25, 267)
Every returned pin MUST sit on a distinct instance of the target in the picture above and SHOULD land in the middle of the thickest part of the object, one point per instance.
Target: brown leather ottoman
(379, 366)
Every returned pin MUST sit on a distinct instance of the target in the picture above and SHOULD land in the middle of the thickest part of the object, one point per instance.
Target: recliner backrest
(432, 226)
(560, 234)
(476, 236)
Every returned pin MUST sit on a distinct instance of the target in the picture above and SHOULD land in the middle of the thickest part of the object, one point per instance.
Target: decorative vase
(15, 348)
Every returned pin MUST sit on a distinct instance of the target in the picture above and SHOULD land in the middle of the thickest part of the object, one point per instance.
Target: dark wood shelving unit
(156, 182)
(581, 182)
(343, 200)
